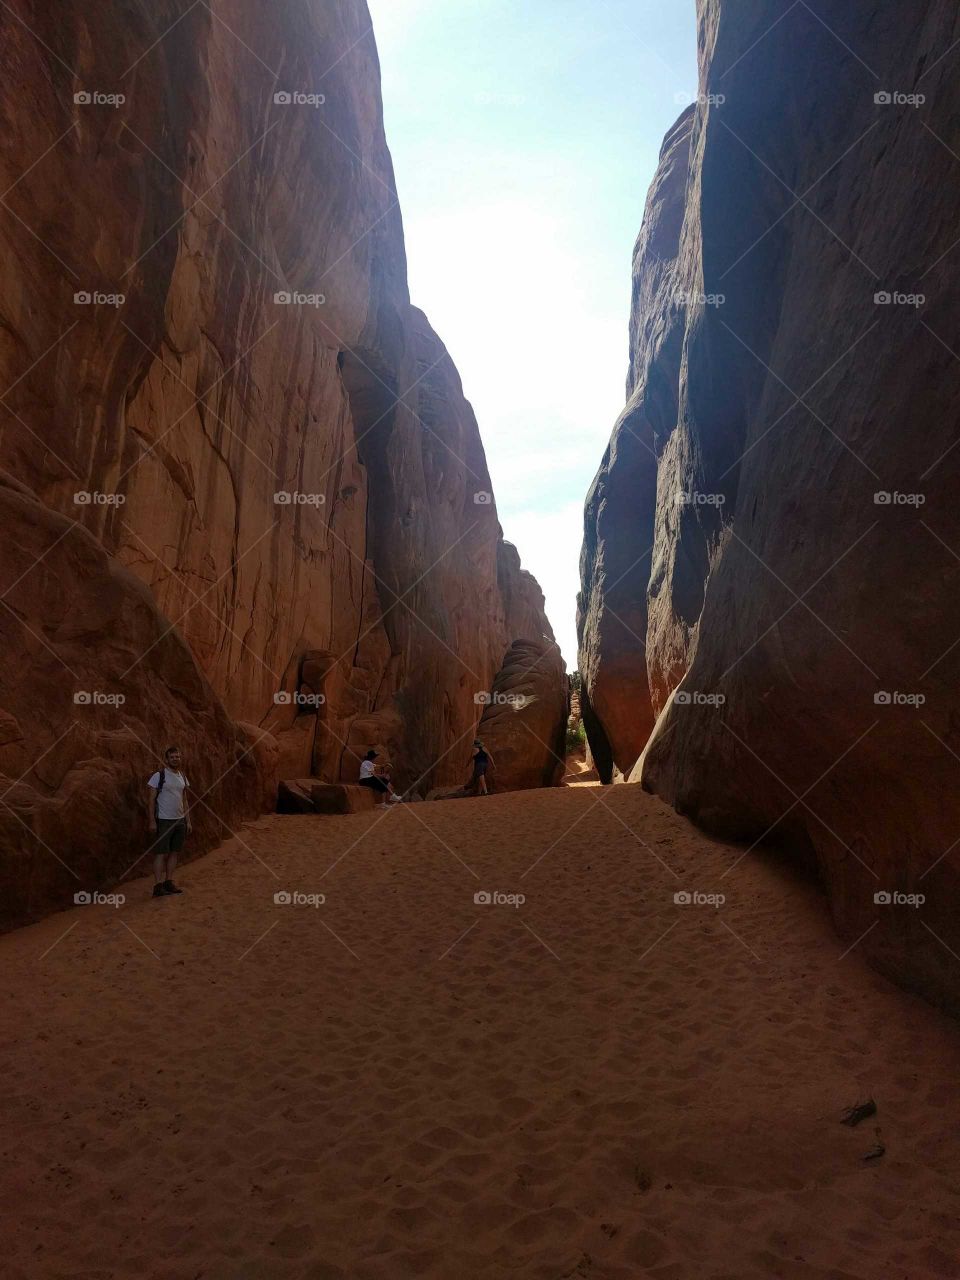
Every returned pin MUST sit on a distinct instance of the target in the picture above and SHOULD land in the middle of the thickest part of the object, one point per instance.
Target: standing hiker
(482, 760)
(169, 820)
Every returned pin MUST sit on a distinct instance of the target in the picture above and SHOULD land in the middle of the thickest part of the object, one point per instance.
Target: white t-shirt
(170, 800)
(367, 769)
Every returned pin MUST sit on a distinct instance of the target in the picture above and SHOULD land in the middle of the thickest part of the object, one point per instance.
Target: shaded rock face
(463, 792)
(249, 498)
(771, 551)
(306, 795)
(620, 518)
(74, 773)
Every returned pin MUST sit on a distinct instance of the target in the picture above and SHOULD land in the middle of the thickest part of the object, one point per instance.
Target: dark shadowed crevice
(599, 745)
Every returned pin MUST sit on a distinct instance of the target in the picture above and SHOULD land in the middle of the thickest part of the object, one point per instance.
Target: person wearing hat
(369, 777)
(482, 760)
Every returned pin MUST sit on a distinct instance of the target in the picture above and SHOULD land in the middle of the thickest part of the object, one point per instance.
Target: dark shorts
(376, 783)
(171, 833)
(480, 769)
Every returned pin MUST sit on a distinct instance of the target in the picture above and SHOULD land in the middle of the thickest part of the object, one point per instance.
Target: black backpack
(156, 798)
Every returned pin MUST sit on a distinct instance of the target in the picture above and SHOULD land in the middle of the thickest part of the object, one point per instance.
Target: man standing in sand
(169, 820)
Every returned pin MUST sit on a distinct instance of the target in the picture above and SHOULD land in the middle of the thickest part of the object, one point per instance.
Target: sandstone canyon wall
(524, 723)
(246, 508)
(769, 614)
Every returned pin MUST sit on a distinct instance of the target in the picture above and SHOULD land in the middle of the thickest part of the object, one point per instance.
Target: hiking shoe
(159, 891)
(169, 887)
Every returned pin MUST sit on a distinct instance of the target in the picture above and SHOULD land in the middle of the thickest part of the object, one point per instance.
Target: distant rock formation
(246, 505)
(620, 524)
(769, 609)
(525, 721)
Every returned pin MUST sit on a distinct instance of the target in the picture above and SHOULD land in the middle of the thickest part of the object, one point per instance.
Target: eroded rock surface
(285, 547)
(524, 723)
(773, 542)
(620, 527)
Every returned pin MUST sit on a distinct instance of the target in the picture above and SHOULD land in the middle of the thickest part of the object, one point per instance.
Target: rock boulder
(773, 541)
(525, 720)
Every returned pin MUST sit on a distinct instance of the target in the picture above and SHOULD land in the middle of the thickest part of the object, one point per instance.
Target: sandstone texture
(772, 550)
(307, 795)
(526, 712)
(525, 722)
(242, 490)
(463, 792)
(620, 517)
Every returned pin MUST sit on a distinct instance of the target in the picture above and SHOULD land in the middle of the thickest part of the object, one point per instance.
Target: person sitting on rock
(482, 760)
(169, 820)
(385, 771)
(370, 778)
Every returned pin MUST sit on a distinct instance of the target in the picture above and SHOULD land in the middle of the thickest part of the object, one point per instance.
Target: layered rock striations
(772, 543)
(246, 505)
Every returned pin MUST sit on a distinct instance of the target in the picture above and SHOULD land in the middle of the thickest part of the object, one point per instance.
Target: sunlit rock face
(769, 608)
(524, 723)
(246, 505)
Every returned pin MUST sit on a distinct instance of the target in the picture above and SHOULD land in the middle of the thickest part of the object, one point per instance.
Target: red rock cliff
(772, 543)
(246, 506)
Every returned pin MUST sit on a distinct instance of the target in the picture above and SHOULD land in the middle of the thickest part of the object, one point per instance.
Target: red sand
(598, 1083)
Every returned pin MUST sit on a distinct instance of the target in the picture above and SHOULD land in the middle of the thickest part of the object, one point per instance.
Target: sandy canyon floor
(597, 1082)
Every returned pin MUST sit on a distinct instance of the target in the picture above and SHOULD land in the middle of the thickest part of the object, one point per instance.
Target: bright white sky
(524, 135)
